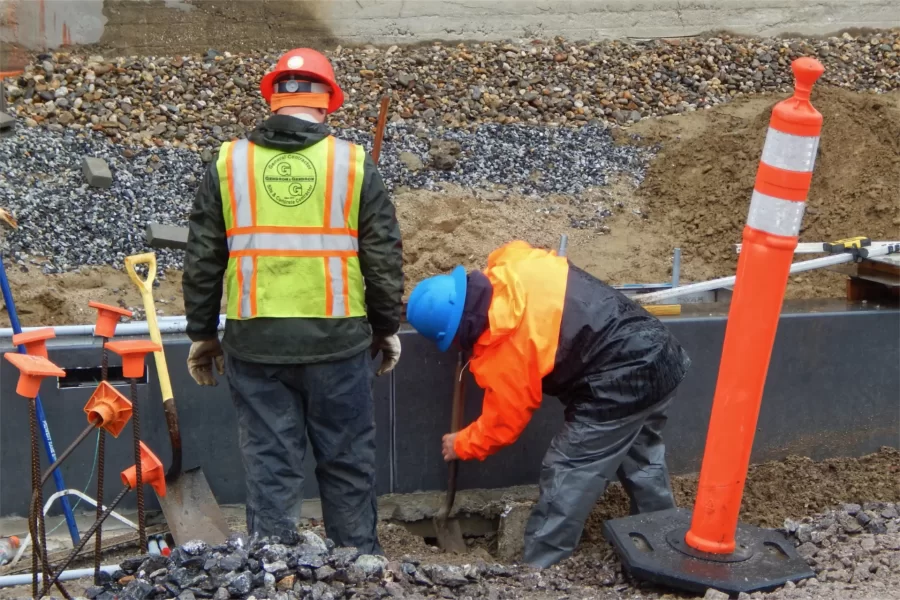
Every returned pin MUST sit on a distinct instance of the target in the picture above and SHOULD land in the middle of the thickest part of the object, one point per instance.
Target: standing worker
(301, 230)
(536, 325)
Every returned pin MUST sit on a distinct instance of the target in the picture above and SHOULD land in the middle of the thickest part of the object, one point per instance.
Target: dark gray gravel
(66, 224)
(855, 552)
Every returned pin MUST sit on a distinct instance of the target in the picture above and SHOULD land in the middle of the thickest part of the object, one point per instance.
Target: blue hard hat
(435, 307)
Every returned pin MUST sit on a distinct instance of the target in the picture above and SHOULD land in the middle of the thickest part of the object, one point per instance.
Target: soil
(698, 187)
(695, 197)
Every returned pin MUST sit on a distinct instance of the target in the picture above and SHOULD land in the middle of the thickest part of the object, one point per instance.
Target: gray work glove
(200, 361)
(389, 346)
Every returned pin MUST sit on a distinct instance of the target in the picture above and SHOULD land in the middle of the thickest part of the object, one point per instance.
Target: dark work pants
(582, 459)
(277, 407)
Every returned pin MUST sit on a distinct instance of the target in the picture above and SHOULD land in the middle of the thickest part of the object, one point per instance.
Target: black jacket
(612, 351)
(296, 340)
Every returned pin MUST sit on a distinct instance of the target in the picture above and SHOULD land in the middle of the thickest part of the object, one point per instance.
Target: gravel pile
(855, 552)
(305, 567)
(66, 224)
(199, 101)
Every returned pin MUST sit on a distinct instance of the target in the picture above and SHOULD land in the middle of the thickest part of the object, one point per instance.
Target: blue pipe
(42, 417)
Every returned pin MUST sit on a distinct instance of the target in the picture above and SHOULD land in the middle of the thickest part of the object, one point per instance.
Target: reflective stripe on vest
(297, 206)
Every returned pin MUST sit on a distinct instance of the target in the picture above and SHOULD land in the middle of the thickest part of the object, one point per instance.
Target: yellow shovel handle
(146, 288)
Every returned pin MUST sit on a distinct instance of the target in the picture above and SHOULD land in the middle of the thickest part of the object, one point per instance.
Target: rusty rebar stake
(139, 478)
(84, 540)
(101, 464)
(36, 526)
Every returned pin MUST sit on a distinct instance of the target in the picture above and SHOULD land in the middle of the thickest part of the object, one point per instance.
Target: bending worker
(536, 325)
(301, 230)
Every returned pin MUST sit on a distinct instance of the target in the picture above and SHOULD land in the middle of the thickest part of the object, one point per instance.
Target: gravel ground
(854, 550)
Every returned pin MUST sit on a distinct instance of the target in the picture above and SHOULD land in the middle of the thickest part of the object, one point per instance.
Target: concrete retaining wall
(832, 390)
(168, 26)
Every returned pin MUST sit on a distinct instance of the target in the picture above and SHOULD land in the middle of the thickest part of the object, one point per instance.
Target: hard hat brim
(460, 282)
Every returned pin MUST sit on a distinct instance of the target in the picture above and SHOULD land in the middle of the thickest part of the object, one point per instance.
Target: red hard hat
(304, 62)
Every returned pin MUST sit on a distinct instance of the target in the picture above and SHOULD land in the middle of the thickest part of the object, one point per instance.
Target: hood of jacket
(288, 134)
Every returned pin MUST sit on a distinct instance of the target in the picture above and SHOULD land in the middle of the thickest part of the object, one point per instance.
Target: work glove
(200, 361)
(389, 346)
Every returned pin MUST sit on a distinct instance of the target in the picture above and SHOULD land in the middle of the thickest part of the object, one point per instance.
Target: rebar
(101, 462)
(87, 536)
(138, 470)
(35, 485)
(36, 517)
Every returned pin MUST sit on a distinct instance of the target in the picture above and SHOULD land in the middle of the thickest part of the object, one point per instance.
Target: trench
(478, 530)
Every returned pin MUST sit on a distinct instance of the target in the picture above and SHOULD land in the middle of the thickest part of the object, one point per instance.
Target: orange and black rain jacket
(554, 329)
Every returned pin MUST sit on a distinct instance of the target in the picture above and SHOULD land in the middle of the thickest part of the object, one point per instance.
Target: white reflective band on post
(242, 182)
(336, 272)
(246, 267)
(790, 152)
(339, 183)
(774, 215)
(292, 242)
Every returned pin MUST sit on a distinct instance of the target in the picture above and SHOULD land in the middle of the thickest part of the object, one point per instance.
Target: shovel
(449, 534)
(189, 506)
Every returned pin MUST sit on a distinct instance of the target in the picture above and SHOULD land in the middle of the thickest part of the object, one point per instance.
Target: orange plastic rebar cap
(107, 318)
(32, 370)
(133, 353)
(109, 409)
(35, 342)
(151, 472)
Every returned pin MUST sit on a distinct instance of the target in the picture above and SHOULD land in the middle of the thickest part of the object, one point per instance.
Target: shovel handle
(145, 286)
(456, 416)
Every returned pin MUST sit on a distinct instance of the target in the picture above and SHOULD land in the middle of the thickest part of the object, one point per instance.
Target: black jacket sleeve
(205, 260)
(380, 253)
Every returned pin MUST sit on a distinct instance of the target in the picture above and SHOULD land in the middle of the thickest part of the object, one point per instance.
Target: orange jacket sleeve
(510, 398)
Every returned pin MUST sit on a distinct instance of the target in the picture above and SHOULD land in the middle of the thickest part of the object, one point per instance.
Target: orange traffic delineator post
(708, 548)
(149, 464)
(134, 354)
(108, 318)
(32, 371)
(35, 342)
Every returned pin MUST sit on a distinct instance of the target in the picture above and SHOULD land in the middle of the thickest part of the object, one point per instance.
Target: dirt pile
(698, 188)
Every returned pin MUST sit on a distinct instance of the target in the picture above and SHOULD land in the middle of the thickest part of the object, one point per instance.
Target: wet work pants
(583, 458)
(277, 407)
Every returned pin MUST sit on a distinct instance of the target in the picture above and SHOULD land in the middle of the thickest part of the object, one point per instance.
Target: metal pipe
(722, 282)
(174, 324)
(25, 578)
(676, 268)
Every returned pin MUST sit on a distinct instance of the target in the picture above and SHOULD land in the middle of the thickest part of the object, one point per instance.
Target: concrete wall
(832, 390)
(167, 26)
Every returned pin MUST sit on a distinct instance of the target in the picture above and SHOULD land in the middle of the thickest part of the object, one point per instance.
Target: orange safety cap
(32, 370)
(151, 472)
(109, 409)
(35, 342)
(107, 318)
(304, 62)
(133, 353)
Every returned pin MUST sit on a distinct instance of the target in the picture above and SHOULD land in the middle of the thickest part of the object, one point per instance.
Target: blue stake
(42, 418)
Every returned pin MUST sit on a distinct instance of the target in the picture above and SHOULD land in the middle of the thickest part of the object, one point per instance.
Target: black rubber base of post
(652, 548)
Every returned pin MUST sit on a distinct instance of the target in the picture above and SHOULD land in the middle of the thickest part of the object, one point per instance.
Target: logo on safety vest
(290, 179)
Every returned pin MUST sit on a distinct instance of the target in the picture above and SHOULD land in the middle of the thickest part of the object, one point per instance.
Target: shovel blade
(191, 510)
(449, 535)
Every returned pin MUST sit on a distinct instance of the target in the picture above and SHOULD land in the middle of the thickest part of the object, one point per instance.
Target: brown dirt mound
(699, 186)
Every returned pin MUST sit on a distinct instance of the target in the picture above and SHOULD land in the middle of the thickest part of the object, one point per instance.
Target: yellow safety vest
(291, 219)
